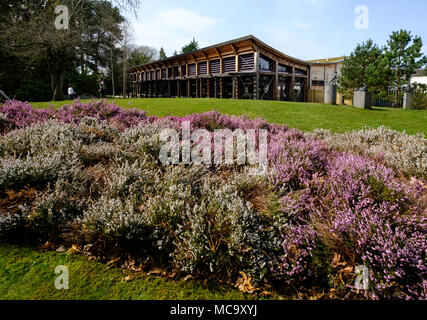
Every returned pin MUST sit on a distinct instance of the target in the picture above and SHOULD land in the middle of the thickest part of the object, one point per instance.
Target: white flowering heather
(116, 218)
(16, 172)
(10, 222)
(40, 138)
(406, 153)
(133, 181)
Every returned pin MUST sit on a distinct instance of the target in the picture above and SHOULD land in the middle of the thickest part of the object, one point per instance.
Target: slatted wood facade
(244, 68)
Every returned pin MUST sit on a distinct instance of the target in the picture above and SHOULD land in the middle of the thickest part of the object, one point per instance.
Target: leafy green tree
(139, 55)
(162, 54)
(366, 65)
(192, 46)
(27, 29)
(403, 56)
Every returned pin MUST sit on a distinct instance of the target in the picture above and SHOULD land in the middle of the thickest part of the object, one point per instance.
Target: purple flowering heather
(360, 209)
(294, 159)
(21, 114)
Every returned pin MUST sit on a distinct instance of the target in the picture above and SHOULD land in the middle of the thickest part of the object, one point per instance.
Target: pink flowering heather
(294, 159)
(21, 114)
(360, 210)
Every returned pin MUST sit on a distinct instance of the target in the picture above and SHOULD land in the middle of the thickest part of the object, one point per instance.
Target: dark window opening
(203, 88)
(266, 64)
(246, 87)
(299, 89)
(176, 71)
(266, 87)
(318, 83)
(284, 69)
(300, 71)
(227, 88)
(193, 88)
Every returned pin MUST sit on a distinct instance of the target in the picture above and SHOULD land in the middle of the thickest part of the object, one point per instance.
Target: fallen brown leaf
(74, 249)
(244, 284)
(113, 263)
(127, 278)
(186, 278)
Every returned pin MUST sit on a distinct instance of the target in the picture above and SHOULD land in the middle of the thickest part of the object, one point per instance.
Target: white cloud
(173, 28)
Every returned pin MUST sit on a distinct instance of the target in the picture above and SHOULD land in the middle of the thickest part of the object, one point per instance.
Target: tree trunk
(398, 98)
(124, 72)
(57, 76)
(112, 72)
(57, 84)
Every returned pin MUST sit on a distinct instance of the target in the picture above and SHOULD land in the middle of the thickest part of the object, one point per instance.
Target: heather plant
(18, 172)
(403, 152)
(362, 213)
(215, 229)
(329, 202)
(294, 160)
(117, 219)
(21, 114)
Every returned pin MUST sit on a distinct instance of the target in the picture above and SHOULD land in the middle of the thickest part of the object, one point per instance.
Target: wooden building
(322, 71)
(245, 68)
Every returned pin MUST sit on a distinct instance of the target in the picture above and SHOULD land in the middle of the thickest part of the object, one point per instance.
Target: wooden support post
(215, 88)
(188, 88)
(208, 87)
(197, 88)
(237, 96)
(178, 89)
(256, 86)
(276, 92)
(292, 84)
(233, 94)
(169, 88)
(221, 88)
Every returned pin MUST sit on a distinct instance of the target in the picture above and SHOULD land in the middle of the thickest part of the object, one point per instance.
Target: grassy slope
(304, 116)
(27, 273)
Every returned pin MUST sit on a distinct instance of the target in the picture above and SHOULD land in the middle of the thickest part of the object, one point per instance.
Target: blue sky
(305, 29)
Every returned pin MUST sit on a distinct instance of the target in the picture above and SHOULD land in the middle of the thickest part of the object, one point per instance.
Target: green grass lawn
(304, 116)
(29, 274)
